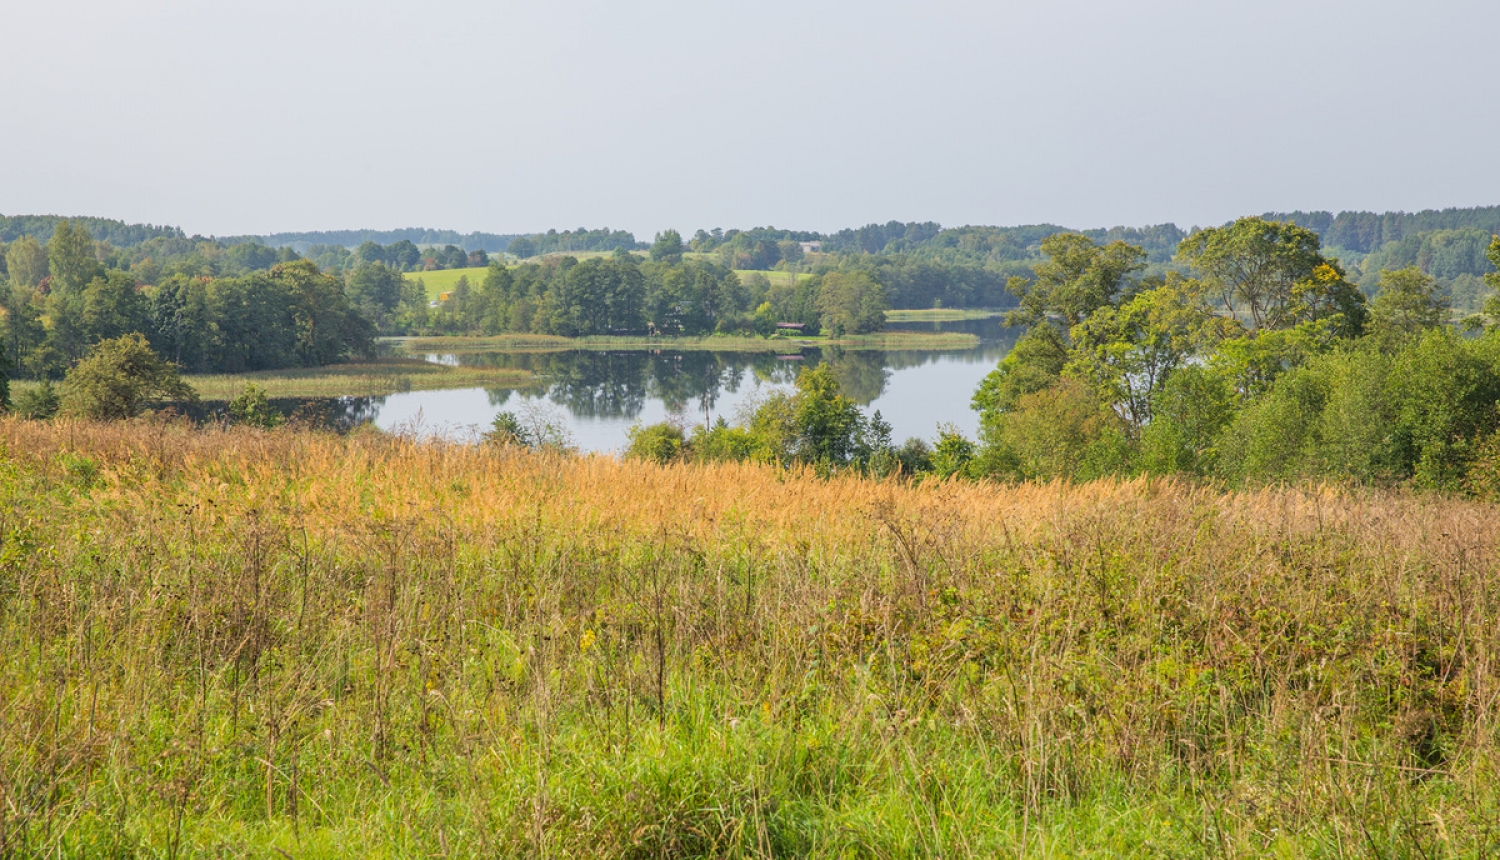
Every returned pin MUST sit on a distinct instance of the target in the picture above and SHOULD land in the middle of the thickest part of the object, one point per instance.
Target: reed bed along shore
(247, 644)
(374, 378)
(902, 340)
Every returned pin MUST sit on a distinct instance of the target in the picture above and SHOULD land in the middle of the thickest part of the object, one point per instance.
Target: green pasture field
(443, 280)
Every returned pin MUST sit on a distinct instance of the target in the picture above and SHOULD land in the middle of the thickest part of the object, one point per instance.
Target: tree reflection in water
(617, 387)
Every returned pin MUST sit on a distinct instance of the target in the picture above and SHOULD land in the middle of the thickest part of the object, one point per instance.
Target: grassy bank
(723, 343)
(235, 643)
(365, 379)
(940, 314)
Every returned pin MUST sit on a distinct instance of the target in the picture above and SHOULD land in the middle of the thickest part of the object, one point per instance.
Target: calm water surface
(599, 395)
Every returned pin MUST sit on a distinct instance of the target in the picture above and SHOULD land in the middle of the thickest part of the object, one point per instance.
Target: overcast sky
(232, 117)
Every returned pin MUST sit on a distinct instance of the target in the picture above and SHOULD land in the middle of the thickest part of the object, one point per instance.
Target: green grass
(443, 280)
(240, 643)
(365, 379)
(940, 314)
(716, 343)
(786, 278)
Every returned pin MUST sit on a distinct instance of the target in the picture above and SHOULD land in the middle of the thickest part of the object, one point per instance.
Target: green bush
(118, 379)
(657, 443)
(37, 403)
(253, 408)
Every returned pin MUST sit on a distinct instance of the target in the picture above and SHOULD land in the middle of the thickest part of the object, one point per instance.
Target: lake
(599, 395)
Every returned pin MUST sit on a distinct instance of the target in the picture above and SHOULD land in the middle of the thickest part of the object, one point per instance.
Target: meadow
(776, 278)
(244, 643)
(443, 280)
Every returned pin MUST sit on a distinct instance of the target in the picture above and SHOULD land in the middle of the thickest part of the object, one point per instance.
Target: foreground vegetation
(247, 643)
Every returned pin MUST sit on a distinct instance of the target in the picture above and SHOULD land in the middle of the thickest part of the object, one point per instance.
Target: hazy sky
(227, 116)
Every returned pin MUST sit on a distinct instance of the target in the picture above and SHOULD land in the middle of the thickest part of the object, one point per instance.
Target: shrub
(657, 443)
(37, 403)
(253, 408)
(119, 378)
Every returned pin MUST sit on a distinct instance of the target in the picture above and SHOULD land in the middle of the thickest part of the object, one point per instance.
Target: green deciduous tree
(1489, 317)
(24, 332)
(1407, 305)
(1275, 273)
(1188, 416)
(668, 247)
(377, 292)
(26, 262)
(816, 424)
(1077, 278)
(70, 257)
(1062, 431)
(656, 443)
(1035, 362)
(113, 305)
(1127, 353)
(851, 303)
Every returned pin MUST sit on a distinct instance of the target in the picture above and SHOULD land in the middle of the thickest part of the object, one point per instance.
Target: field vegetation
(256, 643)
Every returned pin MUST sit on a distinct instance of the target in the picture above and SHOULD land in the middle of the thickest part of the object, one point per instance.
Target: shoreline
(934, 341)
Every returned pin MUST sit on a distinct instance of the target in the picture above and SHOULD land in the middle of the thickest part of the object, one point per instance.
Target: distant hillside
(1370, 231)
(300, 242)
(117, 233)
(531, 244)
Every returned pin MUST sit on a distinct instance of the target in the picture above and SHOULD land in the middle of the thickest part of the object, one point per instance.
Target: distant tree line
(403, 256)
(62, 298)
(116, 233)
(492, 243)
(1370, 231)
(582, 239)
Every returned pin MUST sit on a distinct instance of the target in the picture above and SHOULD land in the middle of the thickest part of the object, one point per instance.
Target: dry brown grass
(240, 638)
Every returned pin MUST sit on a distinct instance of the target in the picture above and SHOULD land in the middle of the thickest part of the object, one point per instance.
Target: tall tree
(26, 261)
(667, 247)
(851, 303)
(70, 256)
(1407, 305)
(1077, 278)
(1126, 354)
(114, 306)
(1275, 273)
